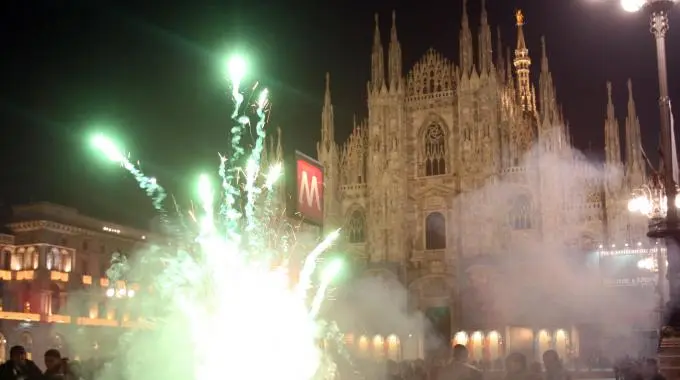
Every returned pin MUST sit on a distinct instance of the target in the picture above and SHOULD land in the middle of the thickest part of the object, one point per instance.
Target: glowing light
(232, 292)
(632, 5)
(108, 148)
(236, 68)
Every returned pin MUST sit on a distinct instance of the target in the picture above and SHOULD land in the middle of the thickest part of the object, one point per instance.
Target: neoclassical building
(461, 184)
(54, 287)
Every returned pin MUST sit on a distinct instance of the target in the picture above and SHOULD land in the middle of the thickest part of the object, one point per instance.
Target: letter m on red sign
(309, 189)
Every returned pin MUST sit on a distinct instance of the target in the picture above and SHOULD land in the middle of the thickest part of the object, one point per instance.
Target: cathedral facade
(461, 166)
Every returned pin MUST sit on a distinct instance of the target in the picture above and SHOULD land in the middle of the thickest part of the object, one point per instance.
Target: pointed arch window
(357, 227)
(435, 231)
(520, 213)
(435, 150)
(6, 259)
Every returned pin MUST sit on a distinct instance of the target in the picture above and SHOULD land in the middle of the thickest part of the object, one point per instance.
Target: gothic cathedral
(458, 164)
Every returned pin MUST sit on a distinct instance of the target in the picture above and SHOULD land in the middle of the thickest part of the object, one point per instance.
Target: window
(6, 259)
(56, 299)
(520, 213)
(85, 245)
(435, 150)
(84, 267)
(58, 260)
(357, 227)
(435, 231)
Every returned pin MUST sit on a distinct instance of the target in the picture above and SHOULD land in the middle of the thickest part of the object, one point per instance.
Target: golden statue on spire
(520, 17)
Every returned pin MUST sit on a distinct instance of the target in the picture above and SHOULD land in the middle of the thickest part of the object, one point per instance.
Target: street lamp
(651, 200)
(654, 197)
(657, 199)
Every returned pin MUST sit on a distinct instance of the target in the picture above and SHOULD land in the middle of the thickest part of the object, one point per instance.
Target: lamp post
(657, 199)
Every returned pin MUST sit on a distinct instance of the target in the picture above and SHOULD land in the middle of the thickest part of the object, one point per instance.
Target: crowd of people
(514, 367)
(457, 367)
(19, 367)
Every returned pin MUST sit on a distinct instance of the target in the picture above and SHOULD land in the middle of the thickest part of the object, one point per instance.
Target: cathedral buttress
(549, 115)
(613, 166)
(377, 59)
(500, 62)
(552, 131)
(612, 141)
(465, 43)
(394, 57)
(327, 151)
(635, 166)
(485, 49)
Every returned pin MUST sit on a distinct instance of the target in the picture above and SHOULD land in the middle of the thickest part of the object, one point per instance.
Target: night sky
(151, 74)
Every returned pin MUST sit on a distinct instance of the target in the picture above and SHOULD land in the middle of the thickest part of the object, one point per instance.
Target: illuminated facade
(54, 287)
(458, 168)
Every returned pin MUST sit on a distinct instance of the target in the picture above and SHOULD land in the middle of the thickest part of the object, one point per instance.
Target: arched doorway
(57, 342)
(3, 348)
(55, 298)
(431, 295)
(26, 340)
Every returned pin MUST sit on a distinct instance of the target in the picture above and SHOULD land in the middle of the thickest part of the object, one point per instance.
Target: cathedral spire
(612, 142)
(395, 70)
(465, 42)
(485, 47)
(327, 122)
(377, 59)
(500, 62)
(547, 96)
(508, 71)
(522, 63)
(634, 159)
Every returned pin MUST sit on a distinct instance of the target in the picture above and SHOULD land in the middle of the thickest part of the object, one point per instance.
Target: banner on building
(309, 189)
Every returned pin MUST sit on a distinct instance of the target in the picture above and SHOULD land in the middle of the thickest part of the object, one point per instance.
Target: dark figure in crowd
(536, 370)
(459, 368)
(553, 366)
(516, 367)
(419, 370)
(57, 368)
(393, 370)
(18, 367)
(650, 370)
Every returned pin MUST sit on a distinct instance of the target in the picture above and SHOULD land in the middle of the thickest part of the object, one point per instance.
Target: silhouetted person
(650, 370)
(516, 367)
(56, 366)
(18, 367)
(536, 370)
(393, 370)
(459, 368)
(553, 366)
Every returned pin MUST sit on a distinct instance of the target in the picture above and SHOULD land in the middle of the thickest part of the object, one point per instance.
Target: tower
(635, 166)
(522, 63)
(327, 151)
(613, 169)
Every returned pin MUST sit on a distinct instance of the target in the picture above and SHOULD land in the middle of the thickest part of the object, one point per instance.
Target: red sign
(309, 189)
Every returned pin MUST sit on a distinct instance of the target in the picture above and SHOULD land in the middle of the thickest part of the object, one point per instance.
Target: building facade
(462, 185)
(55, 290)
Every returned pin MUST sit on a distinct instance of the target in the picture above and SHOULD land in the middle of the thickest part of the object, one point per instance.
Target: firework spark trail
(310, 263)
(253, 165)
(329, 273)
(225, 294)
(148, 184)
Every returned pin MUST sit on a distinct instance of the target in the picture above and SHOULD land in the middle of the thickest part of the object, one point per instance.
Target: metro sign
(309, 189)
